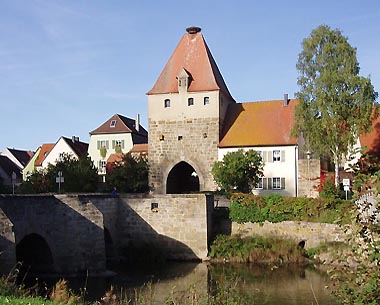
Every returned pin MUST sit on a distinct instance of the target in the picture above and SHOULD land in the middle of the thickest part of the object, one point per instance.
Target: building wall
(286, 168)
(30, 167)
(94, 151)
(184, 133)
(61, 147)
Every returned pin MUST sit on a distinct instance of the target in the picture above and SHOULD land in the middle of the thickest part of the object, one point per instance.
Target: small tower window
(190, 101)
(167, 103)
(206, 100)
(113, 123)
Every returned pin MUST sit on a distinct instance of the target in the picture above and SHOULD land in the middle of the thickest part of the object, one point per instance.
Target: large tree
(239, 171)
(336, 104)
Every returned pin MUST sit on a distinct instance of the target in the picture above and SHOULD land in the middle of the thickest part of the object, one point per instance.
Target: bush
(275, 208)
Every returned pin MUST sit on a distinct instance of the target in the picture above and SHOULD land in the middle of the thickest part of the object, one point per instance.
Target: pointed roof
(8, 166)
(193, 55)
(78, 147)
(44, 151)
(266, 123)
(121, 124)
(22, 156)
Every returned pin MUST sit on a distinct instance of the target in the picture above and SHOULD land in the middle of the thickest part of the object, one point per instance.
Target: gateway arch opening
(182, 179)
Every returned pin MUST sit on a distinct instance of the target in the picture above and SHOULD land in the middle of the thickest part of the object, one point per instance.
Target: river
(292, 285)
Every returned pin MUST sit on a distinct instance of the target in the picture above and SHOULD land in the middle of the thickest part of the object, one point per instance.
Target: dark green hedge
(275, 208)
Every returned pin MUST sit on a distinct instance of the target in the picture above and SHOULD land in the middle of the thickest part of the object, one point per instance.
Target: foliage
(358, 275)
(336, 104)
(256, 249)
(130, 175)
(12, 300)
(103, 152)
(80, 175)
(275, 208)
(329, 190)
(239, 171)
(63, 295)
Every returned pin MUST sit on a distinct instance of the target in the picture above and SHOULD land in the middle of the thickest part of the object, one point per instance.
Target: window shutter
(113, 143)
(282, 183)
(265, 183)
(269, 183)
(282, 155)
(107, 144)
(268, 157)
(98, 144)
(122, 144)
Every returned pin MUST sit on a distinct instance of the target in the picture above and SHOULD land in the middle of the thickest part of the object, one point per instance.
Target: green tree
(336, 104)
(130, 175)
(80, 176)
(239, 171)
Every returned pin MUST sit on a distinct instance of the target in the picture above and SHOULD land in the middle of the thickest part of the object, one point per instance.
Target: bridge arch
(35, 254)
(183, 178)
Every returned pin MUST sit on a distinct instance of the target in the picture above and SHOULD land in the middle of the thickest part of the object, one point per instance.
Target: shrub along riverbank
(276, 208)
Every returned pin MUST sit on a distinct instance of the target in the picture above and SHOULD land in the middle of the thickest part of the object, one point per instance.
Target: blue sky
(68, 66)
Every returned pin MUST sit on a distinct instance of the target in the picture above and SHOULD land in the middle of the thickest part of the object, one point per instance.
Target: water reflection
(293, 285)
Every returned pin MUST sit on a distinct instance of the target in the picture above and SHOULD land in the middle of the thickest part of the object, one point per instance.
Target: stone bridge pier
(56, 234)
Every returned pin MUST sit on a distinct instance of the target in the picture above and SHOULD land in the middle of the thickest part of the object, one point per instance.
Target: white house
(117, 135)
(72, 147)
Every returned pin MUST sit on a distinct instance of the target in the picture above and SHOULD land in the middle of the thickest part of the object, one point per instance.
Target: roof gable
(78, 147)
(119, 124)
(9, 166)
(267, 123)
(192, 55)
(44, 151)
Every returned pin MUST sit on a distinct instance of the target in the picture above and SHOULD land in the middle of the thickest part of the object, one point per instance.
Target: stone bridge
(70, 234)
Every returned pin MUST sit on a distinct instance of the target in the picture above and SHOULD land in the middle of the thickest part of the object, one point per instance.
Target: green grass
(11, 300)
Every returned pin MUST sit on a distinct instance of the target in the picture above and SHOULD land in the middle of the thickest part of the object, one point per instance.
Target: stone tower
(186, 109)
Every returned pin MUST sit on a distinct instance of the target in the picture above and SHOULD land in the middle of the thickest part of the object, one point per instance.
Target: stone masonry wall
(312, 233)
(198, 147)
(7, 244)
(173, 225)
(71, 226)
(309, 173)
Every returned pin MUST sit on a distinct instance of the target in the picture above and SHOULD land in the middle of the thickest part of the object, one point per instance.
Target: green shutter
(265, 183)
(282, 155)
(98, 144)
(282, 183)
(113, 144)
(107, 144)
(122, 144)
(269, 183)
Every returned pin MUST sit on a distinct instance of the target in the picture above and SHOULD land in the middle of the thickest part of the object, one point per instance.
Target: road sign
(346, 182)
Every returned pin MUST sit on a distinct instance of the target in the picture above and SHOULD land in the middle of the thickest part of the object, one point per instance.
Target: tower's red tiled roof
(193, 55)
(267, 123)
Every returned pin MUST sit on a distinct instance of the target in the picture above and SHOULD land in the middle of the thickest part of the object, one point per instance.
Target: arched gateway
(182, 179)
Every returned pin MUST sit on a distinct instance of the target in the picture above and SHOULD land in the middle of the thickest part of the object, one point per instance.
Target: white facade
(59, 149)
(111, 144)
(280, 169)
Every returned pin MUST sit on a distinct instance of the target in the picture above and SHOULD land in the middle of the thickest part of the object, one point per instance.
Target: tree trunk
(337, 177)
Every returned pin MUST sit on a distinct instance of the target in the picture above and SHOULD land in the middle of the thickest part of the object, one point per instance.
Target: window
(182, 82)
(276, 156)
(260, 184)
(167, 103)
(276, 183)
(190, 101)
(119, 143)
(206, 100)
(113, 123)
(102, 144)
(102, 163)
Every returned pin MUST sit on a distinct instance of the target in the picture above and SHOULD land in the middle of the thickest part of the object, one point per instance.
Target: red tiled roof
(193, 55)
(267, 123)
(45, 149)
(115, 158)
(371, 140)
(139, 148)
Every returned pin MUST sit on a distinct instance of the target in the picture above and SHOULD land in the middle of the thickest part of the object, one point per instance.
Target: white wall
(286, 168)
(94, 152)
(61, 147)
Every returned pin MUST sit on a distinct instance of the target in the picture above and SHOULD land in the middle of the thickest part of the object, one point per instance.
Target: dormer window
(167, 103)
(190, 101)
(113, 123)
(206, 100)
(183, 80)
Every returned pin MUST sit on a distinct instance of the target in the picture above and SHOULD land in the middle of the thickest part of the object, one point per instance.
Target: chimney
(74, 139)
(137, 122)
(286, 99)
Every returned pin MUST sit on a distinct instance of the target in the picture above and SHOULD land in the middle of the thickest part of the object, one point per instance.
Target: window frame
(260, 185)
(206, 100)
(113, 124)
(167, 103)
(190, 101)
(276, 185)
(276, 158)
